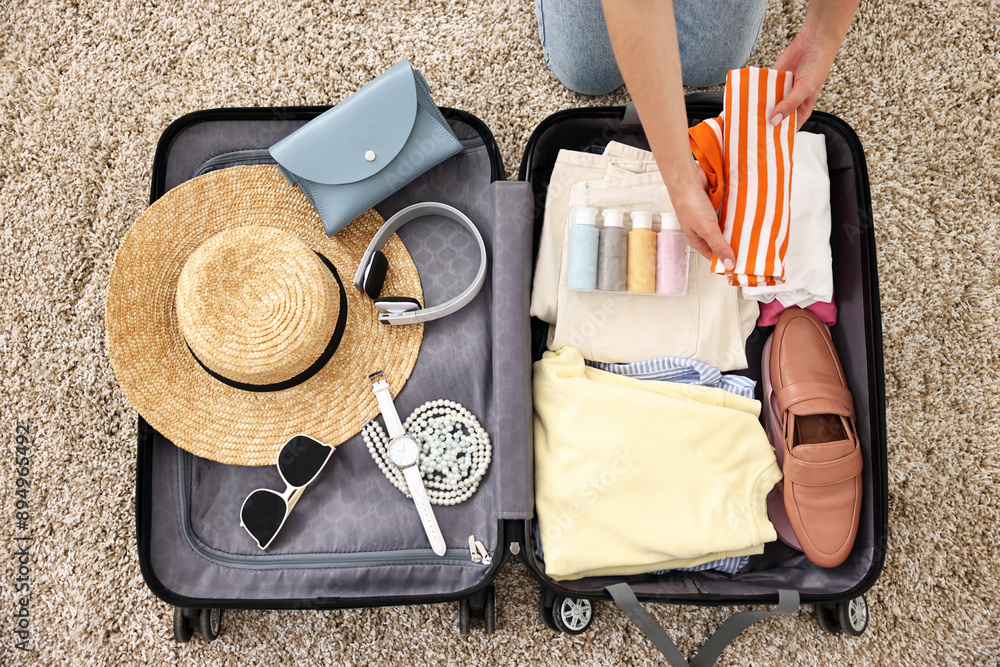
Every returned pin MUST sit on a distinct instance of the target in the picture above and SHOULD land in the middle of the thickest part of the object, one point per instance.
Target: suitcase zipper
(333, 560)
(478, 551)
(311, 560)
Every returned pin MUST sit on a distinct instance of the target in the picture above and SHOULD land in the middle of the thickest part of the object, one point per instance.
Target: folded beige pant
(710, 323)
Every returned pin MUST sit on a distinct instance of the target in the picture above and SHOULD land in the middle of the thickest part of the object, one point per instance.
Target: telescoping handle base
(624, 597)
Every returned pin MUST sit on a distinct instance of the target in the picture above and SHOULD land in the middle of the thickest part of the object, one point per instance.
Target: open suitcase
(837, 593)
(194, 555)
(354, 540)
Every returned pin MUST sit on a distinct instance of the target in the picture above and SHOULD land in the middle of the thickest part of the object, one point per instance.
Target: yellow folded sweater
(635, 476)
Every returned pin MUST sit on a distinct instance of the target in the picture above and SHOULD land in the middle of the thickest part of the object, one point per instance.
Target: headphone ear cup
(378, 268)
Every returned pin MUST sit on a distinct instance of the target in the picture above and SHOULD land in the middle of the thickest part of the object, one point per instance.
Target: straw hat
(232, 324)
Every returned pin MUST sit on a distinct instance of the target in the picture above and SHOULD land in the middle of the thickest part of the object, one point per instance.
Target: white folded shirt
(808, 260)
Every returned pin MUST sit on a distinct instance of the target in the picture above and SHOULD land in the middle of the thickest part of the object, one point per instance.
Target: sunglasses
(264, 511)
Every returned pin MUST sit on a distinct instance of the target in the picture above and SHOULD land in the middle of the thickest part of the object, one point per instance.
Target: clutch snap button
(370, 156)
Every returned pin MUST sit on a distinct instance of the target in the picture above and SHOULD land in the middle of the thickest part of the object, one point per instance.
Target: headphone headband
(367, 283)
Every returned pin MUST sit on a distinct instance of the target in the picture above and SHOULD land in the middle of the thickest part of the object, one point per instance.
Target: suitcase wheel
(481, 606)
(464, 617)
(570, 615)
(546, 613)
(183, 630)
(208, 622)
(854, 616)
(490, 611)
(850, 617)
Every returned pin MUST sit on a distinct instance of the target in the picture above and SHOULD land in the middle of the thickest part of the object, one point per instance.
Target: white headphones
(374, 267)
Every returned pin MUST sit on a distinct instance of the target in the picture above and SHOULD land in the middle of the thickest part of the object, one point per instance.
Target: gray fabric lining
(479, 357)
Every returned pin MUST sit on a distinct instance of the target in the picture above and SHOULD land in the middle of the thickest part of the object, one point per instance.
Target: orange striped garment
(748, 162)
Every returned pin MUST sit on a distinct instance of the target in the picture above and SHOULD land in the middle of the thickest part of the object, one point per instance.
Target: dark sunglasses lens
(262, 514)
(301, 459)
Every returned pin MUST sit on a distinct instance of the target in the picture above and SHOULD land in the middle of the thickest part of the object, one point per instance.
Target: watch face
(403, 451)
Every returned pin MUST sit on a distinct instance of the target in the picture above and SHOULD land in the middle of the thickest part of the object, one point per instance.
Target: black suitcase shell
(857, 335)
(192, 552)
(218, 138)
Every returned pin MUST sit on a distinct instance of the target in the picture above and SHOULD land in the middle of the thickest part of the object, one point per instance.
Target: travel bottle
(613, 253)
(671, 256)
(583, 243)
(642, 254)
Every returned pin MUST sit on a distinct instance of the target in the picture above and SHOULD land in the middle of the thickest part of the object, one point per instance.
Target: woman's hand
(809, 60)
(810, 56)
(699, 220)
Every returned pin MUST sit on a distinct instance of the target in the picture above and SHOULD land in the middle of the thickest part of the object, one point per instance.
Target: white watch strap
(419, 494)
(393, 426)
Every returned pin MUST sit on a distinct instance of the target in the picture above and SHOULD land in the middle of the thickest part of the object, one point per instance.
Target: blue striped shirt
(687, 371)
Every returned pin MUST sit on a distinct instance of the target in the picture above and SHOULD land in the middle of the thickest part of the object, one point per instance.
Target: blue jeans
(714, 36)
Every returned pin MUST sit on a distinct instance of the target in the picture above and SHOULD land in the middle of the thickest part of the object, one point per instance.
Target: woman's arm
(644, 38)
(810, 55)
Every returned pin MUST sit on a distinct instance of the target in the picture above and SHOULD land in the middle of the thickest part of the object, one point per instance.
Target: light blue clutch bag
(367, 147)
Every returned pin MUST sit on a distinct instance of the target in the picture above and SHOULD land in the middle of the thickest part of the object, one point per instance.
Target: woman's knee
(576, 45)
(716, 36)
(585, 78)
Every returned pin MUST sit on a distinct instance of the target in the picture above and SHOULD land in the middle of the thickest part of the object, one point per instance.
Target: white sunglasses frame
(290, 496)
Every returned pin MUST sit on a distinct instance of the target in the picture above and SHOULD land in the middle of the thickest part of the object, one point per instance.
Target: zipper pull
(476, 558)
(486, 558)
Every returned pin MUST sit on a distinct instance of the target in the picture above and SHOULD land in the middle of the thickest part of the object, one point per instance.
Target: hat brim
(163, 380)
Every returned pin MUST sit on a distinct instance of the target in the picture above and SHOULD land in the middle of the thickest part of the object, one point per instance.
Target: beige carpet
(87, 87)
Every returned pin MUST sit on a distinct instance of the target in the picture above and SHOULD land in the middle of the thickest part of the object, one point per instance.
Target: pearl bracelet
(455, 451)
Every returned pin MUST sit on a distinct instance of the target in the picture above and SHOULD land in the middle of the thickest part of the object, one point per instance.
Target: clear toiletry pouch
(628, 243)
(618, 326)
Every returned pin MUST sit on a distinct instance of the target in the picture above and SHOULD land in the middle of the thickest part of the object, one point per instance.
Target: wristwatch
(404, 452)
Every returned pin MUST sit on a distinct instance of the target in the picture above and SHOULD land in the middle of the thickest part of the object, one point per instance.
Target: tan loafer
(822, 465)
